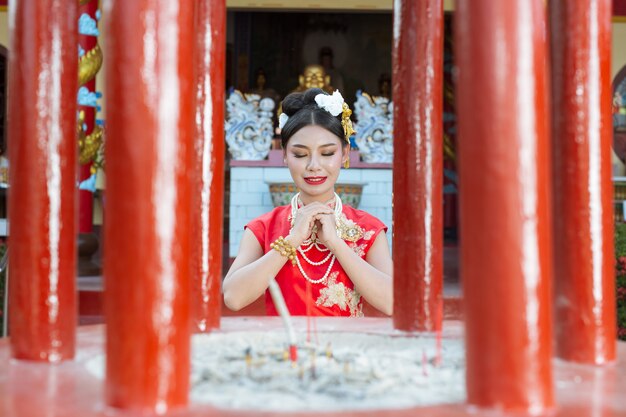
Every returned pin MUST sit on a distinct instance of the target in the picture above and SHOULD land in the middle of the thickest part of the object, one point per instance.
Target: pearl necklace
(294, 208)
(311, 242)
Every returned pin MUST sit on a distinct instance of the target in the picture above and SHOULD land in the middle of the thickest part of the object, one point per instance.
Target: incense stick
(279, 302)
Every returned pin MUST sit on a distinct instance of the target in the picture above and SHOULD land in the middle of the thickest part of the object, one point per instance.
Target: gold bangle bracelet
(283, 247)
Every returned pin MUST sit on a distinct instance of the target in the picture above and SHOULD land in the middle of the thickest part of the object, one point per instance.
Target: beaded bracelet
(284, 248)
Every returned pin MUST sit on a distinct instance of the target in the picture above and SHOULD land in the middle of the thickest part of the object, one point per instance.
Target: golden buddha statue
(314, 76)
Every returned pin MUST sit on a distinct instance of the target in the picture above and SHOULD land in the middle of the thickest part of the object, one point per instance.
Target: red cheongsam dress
(333, 296)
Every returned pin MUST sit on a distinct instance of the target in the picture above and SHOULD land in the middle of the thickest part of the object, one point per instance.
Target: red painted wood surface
(418, 165)
(208, 173)
(150, 119)
(504, 171)
(585, 319)
(85, 198)
(42, 203)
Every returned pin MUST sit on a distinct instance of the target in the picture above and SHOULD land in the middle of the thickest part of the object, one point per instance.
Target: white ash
(338, 371)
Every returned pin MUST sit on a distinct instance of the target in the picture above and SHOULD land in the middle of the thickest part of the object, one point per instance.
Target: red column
(208, 178)
(585, 315)
(85, 198)
(42, 202)
(150, 113)
(504, 167)
(418, 165)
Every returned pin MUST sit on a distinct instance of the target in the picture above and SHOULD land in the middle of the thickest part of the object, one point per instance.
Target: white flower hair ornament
(332, 104)
(282, 120)
(335, 105)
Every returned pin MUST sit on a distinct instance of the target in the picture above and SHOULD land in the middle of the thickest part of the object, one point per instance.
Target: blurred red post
(504, 171)
(43, 71)
(150, 122)
(208, 173)
(418, 165)
(585, 317)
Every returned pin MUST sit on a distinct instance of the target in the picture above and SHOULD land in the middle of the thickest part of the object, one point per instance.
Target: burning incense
(279, 302)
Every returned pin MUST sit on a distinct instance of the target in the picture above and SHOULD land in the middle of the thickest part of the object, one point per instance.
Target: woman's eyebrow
(297, 145)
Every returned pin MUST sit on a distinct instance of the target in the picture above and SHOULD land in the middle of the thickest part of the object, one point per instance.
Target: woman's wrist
(294, 240)
(334, 244)
(285, 248)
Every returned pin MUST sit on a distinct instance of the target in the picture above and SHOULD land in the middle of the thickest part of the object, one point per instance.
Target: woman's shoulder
(362, 217)
(278, 213)
(272, 223)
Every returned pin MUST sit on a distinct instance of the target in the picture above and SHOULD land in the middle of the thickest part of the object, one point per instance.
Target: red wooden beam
(208, 173)
(585, 315)
(504, 168)
(150, 119)
(418, 165)
(43, 71)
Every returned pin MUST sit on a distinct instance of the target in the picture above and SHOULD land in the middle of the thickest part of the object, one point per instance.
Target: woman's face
(314, 157)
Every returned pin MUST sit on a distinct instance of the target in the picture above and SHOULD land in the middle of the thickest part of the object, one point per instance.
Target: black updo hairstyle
(303, 111)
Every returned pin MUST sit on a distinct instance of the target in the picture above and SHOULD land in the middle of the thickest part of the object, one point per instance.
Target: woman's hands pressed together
(327, 230)
(306, 217)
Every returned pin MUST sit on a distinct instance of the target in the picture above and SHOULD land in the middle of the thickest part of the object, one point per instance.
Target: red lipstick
(315, 180)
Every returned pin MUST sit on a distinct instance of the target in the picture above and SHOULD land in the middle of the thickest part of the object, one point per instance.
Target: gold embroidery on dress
(358, 249)
(348, 229)
(337, 294)
(368, 235)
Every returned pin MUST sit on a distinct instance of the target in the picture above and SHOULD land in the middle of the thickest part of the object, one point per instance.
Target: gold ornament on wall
(89, 64)
(89, 146)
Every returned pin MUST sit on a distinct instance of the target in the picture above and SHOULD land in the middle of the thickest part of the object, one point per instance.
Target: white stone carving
(374, 128)
(249, 128)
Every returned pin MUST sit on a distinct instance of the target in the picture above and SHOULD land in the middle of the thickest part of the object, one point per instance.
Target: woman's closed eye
(328, 154)
(299, 155)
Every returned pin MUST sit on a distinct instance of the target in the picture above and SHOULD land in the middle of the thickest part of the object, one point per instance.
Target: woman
(324, 255)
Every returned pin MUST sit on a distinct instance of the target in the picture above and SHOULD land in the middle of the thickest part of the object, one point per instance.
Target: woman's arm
(371, 276)
(250, 274)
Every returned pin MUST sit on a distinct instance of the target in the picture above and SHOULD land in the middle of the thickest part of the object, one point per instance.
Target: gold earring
(346, 163)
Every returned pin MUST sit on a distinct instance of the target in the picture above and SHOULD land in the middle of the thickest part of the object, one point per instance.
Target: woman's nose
(313, 163)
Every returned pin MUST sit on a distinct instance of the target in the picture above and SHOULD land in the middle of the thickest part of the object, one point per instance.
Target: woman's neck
(324, 199)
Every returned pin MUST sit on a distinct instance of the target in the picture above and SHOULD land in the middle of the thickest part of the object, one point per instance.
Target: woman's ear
(345, 154)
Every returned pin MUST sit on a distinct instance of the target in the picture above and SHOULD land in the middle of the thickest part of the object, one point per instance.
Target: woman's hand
(304, 221)
(327, 230)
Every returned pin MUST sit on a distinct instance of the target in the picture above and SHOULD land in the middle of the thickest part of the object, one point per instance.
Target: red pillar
(418, 165)
(42, 203)
(504, 167)
(150, 113)
(85, 198)
(585, 317)
(208, 178)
